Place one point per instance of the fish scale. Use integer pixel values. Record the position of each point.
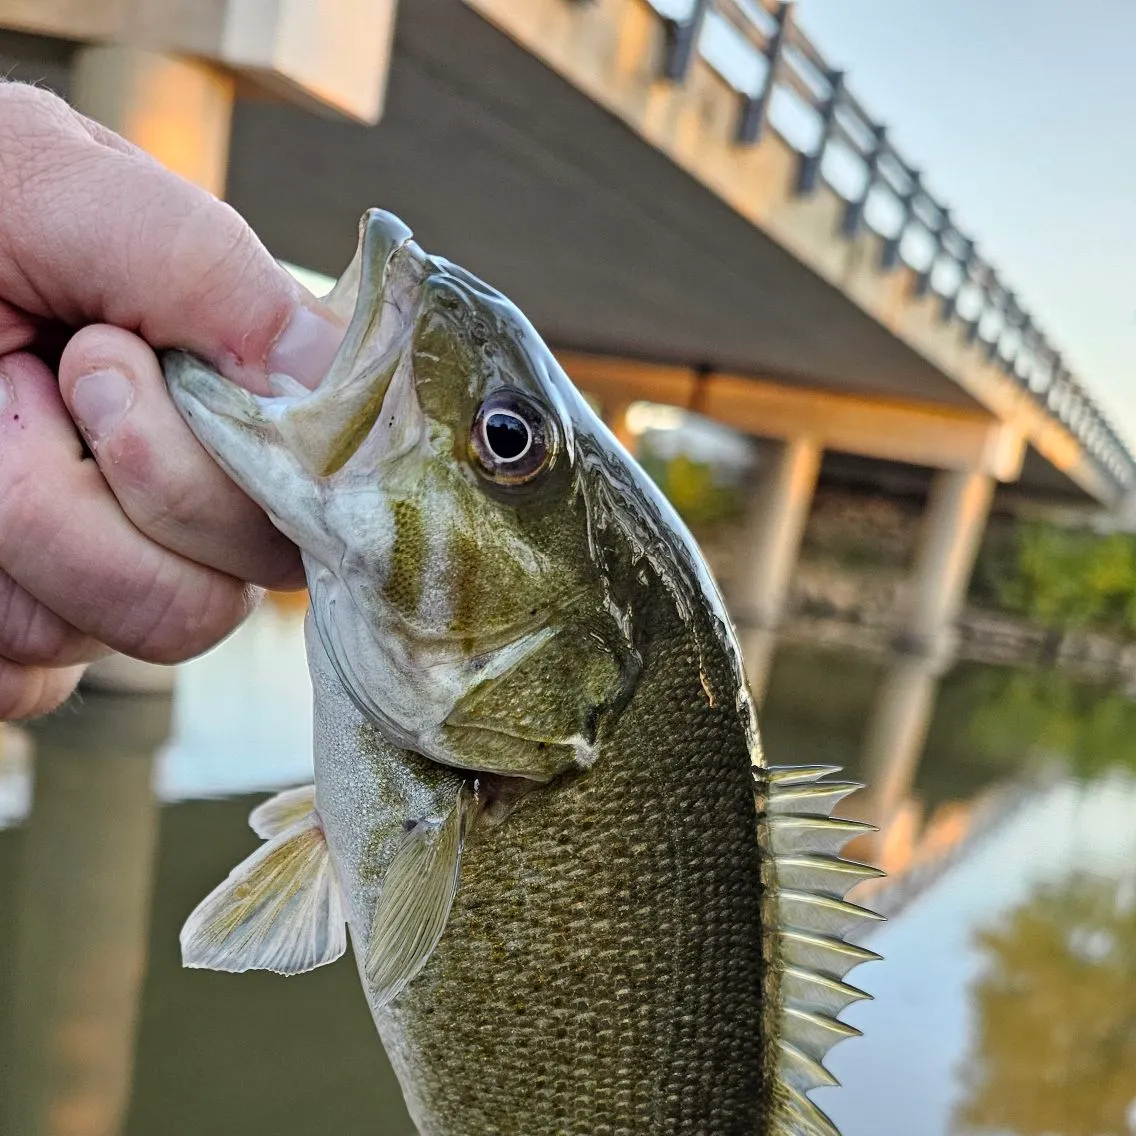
(635, 1014)
(578, 900)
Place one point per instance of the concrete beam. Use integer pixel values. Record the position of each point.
(615, 381)
(330, 55)
(178, 110)
(912, 432)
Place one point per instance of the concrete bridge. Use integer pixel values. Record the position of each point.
(687, 200)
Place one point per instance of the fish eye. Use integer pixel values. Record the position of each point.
(512, 440)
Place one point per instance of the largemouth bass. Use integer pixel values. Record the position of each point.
(578, 899)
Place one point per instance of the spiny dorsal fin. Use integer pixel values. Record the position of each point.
(814, 799)
(783, 776)
(799, 1116)
(809, 990)
(808, 929)
(823, 875)
(810, 834)
(809, 951)
(835, 918)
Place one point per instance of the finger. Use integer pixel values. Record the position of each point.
(163, 479)
(64, 538)
(17, 330)
(33, 635)
(26, 692)
(93, 232)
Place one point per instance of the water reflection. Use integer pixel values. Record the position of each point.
(917, 1069)
(15, 775)
(1055, 1009)
(1011, 898)
(893, 745)
(80, 912)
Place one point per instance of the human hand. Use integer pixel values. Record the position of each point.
(145, 547)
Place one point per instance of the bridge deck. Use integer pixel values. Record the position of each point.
(603, 237)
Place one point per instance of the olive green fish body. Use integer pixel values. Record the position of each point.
(602, 966)
(579, 901)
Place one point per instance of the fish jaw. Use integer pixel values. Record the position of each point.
(233, 425)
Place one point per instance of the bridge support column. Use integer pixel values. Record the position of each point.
(778, 511)
(957, 509)
(615, 416)
(178, 110)
(81, 917)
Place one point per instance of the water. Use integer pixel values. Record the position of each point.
(1006, 1006)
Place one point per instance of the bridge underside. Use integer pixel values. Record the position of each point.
(607, 245)
(645, 282)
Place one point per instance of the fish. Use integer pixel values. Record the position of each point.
(579, 899)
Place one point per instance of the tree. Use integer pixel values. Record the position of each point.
(1055, 1049)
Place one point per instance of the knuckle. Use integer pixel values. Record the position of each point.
(29, 632)
(28, 116)
(28, 103)
(191, 612)
(230, 270)
(26, 692)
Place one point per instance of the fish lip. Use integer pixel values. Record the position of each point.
(326, 427)
(195, 386)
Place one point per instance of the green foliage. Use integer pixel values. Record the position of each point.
(692, 488)
(1064, 579)
(1011, 712)
(1054, 1050)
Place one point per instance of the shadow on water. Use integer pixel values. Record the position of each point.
(1003, 800)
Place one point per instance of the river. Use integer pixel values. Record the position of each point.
(1006, 1004)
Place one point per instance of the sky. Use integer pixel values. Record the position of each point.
(1022, 113)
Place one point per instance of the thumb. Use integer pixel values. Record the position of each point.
(93, 230)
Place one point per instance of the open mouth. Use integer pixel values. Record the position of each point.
(322, 429)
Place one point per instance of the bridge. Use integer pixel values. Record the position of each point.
(688, 201)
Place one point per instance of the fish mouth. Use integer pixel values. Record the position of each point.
(320, 429)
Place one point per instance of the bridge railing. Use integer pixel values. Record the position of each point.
(785, 85)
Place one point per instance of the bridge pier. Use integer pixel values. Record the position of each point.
(615, 416)
(177, 110)
(778, 510)
(957, 509)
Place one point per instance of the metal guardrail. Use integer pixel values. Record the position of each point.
(785, 84)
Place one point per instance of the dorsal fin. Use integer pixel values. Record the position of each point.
(808, 925)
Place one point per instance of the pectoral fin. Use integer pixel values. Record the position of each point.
(418, 891)
(281, 909)
(282, 811)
